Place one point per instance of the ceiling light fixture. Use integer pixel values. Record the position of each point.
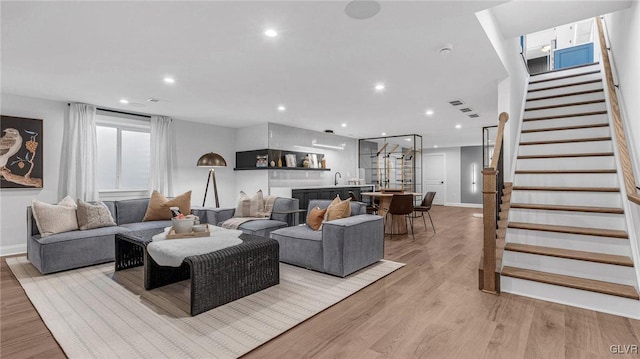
(169, 80)
(362, 9)
(435, 146)
(271, 33)
(344, 125)
(383, 134)
(458, 126)
(429, 113)
(124, 101)
(281, 108)
(545, 48)
(379, 87)
(408, 139)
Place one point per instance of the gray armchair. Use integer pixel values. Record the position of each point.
(342, 247)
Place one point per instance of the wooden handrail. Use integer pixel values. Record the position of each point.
(623, 149)
(489, 200)
(503, 118)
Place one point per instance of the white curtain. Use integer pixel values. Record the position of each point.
(163, 155)
(79, 154)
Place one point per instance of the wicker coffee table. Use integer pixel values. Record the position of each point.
(217, 278)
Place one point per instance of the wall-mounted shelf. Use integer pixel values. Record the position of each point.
(281, 169)
(246, 160)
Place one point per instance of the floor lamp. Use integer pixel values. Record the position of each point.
(211, 160)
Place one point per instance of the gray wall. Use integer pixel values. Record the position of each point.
(471, 174)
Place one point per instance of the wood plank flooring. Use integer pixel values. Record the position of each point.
(430, 308)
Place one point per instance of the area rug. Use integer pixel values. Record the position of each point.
(96, 313)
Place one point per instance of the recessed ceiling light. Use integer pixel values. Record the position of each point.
(407, 139)
(429, 113)
(362, 9)
(458, 126)
(271, 33)
(281, 108)
(383, 134)
(379, 87)
(435, 146)
(124, 101)
(545, 48)
(344, 125)
(169, 80)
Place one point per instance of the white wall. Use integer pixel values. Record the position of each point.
(248, 139)
(452, 173)
(14, 202)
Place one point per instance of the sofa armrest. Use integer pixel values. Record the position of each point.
(217, 215)
(352, 243)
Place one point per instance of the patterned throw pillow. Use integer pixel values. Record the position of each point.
(250, 207)
(158, 208)
(55, 218)
(94, 215)
(315, 217)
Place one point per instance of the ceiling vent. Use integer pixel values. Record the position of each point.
(466, 109)
(474, 115)
(456, 102)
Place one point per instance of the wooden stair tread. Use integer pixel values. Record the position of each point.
(592, 113)
(577, 127)
(566, 85)
(620, 290)
(565, 155)
(566, 189)
(578, 93)
(571, 140)
(564, 105)
(565, 77)
(551, 207)
(570, 254)
(547, 172)
(570, 230)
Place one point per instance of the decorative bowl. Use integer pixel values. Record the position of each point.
(182, 225)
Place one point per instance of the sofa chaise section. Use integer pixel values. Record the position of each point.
(258, 227)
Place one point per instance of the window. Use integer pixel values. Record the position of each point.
(124, 148)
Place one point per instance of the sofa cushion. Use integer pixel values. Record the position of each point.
(283, 204)
(315, 217)
(55, 218)
(93, 215)
(300, 245)
(77, 234)
(356, 207)
(146, 225)
(260, 227)
(159, 205)
(339, 209)
(250, 206)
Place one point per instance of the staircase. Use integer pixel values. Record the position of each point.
(566, 237)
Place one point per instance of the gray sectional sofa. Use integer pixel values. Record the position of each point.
(259, 227)
(341, 247)
(78, 248)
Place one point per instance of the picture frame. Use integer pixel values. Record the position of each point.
(21, 152)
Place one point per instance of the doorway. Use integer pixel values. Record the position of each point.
(434, 176)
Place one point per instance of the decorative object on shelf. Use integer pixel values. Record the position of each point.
(324, 162)
(290, 159)
(20, 152)
(261, 161)
(211, 160)
(314, 161)
(305, 163)
(272, 163)
(279, 162)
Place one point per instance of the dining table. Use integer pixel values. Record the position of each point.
(399, 221)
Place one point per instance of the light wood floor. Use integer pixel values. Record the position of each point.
(430, 308)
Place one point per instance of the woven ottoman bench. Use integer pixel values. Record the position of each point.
(217, 277)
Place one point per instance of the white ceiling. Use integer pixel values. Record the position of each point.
(322, 66)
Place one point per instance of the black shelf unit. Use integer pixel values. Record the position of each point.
(246, 160)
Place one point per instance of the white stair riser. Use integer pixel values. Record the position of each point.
(565, 81)
(567, 110)
(567, 180)
(602, 162)
(566, 218)
(565, 134)
(574, 297)
(568, 121)
(592, 199)
(566, 100)
(564, 90)
(575, 268)
(576, 242)
(568, 72)
(566, 148)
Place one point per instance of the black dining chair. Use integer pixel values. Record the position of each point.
(424, 207)
(402, 205)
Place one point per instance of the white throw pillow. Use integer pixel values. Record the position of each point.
(55, 218)
(250, 207)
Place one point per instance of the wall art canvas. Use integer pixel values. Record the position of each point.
(20, 152)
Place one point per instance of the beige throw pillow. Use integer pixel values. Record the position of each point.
(55, 218)
(250, 207)
(314, 219)
(158, 208)
(93, 215)
(338, 209)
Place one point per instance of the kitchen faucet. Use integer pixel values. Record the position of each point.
(335, 177)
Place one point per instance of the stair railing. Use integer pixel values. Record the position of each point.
(492, 189)
(623, 149)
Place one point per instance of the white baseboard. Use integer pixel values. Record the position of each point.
(468, 205)
(13, 249)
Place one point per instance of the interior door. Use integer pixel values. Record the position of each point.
(434, 176)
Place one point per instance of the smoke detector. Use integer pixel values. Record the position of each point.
(362, 9)
(445, 49)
